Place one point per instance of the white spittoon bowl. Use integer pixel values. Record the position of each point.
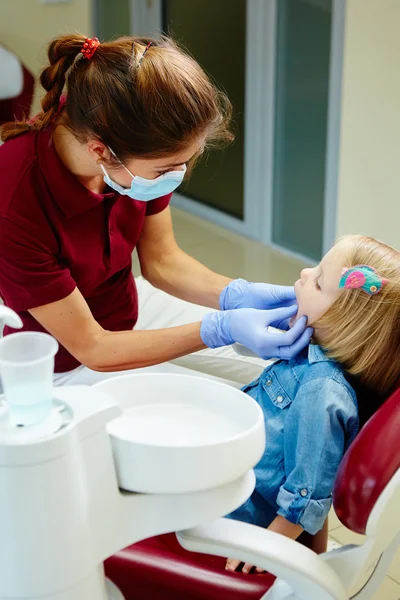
(182, 433)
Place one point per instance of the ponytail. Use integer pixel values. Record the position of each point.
(140, 97)
(62, 53)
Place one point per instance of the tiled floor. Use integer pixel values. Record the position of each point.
(234, 256)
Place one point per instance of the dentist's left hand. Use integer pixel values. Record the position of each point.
(249, 327)
(264, 296)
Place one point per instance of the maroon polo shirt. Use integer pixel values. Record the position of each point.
(56, 235)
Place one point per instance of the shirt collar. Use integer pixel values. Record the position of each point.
(70, 194)
(316, 355)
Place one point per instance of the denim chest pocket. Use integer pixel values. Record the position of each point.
(275, 392)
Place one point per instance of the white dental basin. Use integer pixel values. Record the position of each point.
(182, 433)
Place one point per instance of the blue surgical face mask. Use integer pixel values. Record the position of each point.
(146, 189)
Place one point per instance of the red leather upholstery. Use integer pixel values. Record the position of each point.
(19, 107)
(368, 466)
(159, 569)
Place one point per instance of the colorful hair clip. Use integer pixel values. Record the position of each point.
(89, 47)
(362, 277)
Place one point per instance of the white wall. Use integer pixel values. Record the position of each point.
(369, 172)
(27, 26)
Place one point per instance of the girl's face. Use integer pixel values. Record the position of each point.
(318, 288)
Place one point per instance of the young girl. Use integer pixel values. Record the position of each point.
(352, 300)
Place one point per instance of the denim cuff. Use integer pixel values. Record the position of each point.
(299, 508)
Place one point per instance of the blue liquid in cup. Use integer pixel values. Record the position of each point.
(28, 404)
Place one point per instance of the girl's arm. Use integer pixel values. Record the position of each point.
(318, 542)
(285, 527)
(278, 525)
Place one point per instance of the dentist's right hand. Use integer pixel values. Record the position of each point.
(249, 327)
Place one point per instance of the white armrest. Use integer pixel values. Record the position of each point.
(304, 571)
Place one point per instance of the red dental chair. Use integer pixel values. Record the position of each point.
(366, 500)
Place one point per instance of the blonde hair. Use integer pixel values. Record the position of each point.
(361, 331)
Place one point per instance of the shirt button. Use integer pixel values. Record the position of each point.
(269, 382)
(279, 399)
(304, 492)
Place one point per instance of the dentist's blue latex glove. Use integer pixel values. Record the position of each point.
(264, 296)
(249, 326)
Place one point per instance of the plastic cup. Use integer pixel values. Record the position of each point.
(26, 369)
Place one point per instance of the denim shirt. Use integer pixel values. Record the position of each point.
(311, 417)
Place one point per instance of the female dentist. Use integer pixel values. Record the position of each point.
(90, 179)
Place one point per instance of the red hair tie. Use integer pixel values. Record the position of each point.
(89, 47)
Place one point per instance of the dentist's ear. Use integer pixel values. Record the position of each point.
(97, 150)
(10, 318)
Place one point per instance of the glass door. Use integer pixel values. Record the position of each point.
(229, 38)
(215, 34)
(301, 124)
(113, 19)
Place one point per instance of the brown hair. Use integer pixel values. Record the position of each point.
(156, 107)
(361, 331)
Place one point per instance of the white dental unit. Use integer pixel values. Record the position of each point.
(163, 453)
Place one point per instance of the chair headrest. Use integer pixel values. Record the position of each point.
(368, 466)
